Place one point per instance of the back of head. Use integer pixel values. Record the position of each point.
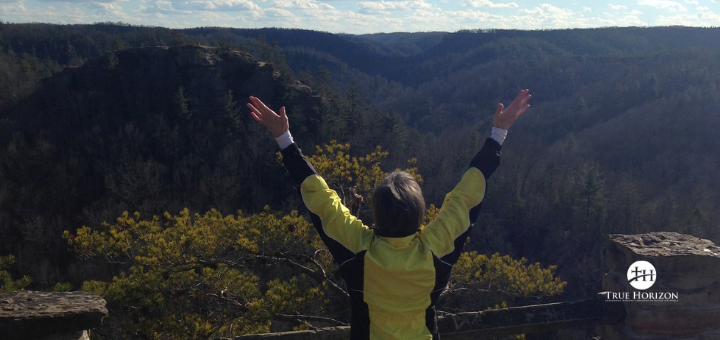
(398, 205)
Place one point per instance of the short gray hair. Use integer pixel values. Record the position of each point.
(398, 205)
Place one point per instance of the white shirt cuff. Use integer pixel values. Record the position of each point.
(284, 140)
(498, 135)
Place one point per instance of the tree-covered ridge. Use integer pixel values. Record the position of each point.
(621, 137)
(136, 130)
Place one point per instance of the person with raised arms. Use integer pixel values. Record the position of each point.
(396, 271)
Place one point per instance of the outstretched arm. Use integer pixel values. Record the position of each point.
(295, 162)
(448, 232)
(344, 234)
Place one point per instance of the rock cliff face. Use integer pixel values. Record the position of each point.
(150, 130)
(39, 315)
(685, 265)
(134, 82)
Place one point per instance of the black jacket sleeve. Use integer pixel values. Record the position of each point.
(297, 165)
(486, 160)
(300, 169)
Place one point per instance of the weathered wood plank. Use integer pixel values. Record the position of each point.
(329, 333)
(530, 319)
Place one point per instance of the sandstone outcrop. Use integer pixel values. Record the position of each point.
(686, 266)
(31, 315)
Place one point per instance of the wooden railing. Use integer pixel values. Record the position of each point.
(491, 323)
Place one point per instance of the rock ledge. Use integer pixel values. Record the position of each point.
(685, 265)
(36, 315)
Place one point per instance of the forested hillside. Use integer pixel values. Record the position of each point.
(95, 120)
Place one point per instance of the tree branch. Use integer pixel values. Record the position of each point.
(312, 273)
(304, 318)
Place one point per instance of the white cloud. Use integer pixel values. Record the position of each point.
(164, 5)
(302, 4)
(278, 13)
(663, 4)
(547, 9)
(12, 8)
(385, 16)
(306, 14)
(355, 22)
(108, 9)
(692, 2)
(696, 20)
(474, 17)
(229, 5)
(710, 18)
(357, 16)
(385, 6)
(549, 16)
(163, 8)
(64, 13)
(490, 4)
(629, 20)
(196, 6)
(83, 1)
(432, 20)
(245, 4)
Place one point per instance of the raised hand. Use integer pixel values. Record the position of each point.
(504, 118)
(277, 124)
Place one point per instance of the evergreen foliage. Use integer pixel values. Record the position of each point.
(8, 284)
(208, 276)
(203, 276)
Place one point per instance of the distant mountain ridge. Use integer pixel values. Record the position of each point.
(401, 57)
(372, 53)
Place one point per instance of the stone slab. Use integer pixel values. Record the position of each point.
(35, 315)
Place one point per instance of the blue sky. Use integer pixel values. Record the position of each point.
(369, 16)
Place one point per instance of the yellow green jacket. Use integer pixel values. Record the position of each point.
(394, 282)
